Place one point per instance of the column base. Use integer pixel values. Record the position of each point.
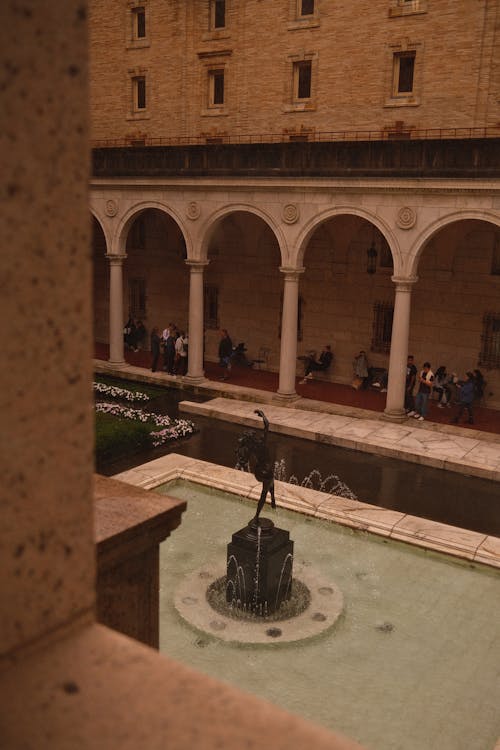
(286, 398)
(194, 379)
(394, 415)
(118, 363)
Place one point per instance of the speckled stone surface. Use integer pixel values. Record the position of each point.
(47, 553)
(99, 689)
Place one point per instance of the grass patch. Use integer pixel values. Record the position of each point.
(116, 437)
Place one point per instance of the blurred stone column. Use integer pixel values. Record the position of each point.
(195, 372)
(394, 409)
(289, 321)
(47, 551)
(116, 322)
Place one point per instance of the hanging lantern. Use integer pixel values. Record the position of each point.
(371, 265)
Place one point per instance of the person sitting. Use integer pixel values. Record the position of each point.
(317, 365)
(360, 368)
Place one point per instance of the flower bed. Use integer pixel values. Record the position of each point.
(173, 429)
(113, 391)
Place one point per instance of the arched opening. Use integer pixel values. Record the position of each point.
(455, 319)
(347, 293)
(242, 287)
(155, 277)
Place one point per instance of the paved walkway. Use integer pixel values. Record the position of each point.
(409, 441)
(259, 385)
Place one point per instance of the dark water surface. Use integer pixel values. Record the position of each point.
(444, 496)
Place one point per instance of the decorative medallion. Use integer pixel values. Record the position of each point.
(290, 213)
(406, 218)
(193, 210)
(111, 208)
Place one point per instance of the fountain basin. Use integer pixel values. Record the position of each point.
(324, 608)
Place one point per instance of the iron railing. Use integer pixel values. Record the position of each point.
(385, 134)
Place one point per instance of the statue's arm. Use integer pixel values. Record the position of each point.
(264, 418)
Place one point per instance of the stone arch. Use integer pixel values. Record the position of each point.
(436, 226)
(315, 222)
(211, 223)
(126, 221)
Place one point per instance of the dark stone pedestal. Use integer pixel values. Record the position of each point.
(259, 567)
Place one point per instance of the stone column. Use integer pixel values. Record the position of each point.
(116, 356)
(195, 372)
(394, 409)
(288, 352)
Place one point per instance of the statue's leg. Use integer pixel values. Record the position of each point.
(262, 500)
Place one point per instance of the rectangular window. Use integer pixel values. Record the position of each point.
(139, 23)
(211, 307)
(218, 14)
(383, 313)
(137, 297)
(216, 88)
(404, 69)
(490, 341)
(139, 92)
(306, 7)
(302, 79)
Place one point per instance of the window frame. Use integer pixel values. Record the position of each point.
(397, 92)
(215, 6)
(489, 356)
(216, 73)
(133, 40)
(298, 67)
(381, 327)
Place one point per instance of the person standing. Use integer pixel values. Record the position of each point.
(225, 352)
(181, 354)
(155, 349)
(360, 369)
(411, 377)
(169, 352)
(424, 391)
(466, 396)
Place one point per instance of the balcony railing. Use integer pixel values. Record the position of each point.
(453, 157)
(404, 132)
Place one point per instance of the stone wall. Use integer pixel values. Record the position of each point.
(351, 47)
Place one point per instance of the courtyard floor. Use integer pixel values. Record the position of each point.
(316, 391)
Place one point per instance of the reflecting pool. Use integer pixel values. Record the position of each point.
(413, 661)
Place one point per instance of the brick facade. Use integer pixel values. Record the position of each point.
(350, 46)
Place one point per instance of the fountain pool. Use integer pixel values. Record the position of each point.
(411, 663)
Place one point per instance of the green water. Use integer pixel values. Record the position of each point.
(413, 664)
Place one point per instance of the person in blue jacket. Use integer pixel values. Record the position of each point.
(466, 396)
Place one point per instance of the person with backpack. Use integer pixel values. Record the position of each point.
(466, 395)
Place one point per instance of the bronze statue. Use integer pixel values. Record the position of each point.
(253, 452)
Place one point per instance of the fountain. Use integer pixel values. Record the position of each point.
(260, 556)
(259, 587)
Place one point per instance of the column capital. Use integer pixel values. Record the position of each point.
(196, 265)
(116, 259)
(291, 274)
(404, 284)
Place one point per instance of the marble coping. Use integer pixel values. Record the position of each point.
(456, 452)
(460, 543)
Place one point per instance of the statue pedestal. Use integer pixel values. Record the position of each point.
(259, 567)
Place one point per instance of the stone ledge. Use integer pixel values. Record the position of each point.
(100, 689)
